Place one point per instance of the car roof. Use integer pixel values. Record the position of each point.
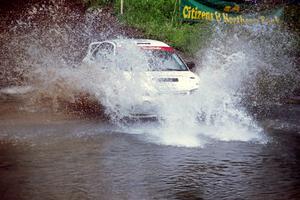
(140, 42)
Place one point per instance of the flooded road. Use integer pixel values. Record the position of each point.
(45, 156)
(231, 139)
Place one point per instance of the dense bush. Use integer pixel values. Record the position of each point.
(159, 19)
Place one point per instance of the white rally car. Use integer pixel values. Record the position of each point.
(167, 71)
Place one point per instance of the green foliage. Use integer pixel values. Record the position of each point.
(159, 19)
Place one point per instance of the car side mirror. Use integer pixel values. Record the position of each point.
(191, 65)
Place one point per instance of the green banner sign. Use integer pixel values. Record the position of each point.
(226, 12)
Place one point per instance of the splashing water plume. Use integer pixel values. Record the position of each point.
(231, 66)
(230, 81)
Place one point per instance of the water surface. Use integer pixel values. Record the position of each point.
(54, 157)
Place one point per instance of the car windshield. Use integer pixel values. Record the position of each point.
(160, 60)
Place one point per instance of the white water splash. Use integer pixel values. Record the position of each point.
(213, 112)
(229, 68)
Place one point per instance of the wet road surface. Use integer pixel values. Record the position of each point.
(46, 156)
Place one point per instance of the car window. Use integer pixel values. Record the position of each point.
(103, 52)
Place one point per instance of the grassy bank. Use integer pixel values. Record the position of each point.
(159, 19)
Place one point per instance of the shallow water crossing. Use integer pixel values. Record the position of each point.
(53, 157)
(231, 139)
